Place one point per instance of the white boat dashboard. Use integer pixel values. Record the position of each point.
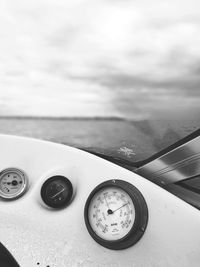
(61, 206)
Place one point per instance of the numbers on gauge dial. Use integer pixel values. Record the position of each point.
(111, 213)
(11, 183)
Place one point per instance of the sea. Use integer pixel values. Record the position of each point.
(120, 138)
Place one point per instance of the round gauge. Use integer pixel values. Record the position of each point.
(57, 192)
(116, 214)
(13, 183)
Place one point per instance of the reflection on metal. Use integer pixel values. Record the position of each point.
(180, 163)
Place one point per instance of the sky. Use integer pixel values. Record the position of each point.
(137, 59)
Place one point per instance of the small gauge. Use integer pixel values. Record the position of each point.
(57, 192)
(116, 214)
(13, 183)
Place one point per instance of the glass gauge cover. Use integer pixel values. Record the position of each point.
(13, 183)
(57, 191)
(116, 214)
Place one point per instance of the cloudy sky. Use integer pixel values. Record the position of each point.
(129, 58)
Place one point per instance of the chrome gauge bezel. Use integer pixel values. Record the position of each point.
(141, 215)
(23, 187)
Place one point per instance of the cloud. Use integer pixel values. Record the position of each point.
(59, 46)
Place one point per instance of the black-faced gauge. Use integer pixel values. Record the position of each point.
(13, 183)
(116, 214)
(57, 191)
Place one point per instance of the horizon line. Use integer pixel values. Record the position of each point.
(21, 117)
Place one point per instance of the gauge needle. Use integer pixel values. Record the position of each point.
(59, 193)
(120, 207)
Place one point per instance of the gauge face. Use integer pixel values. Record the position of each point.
(13, 183)
(111, 213)
(116, 214)
(57, 192)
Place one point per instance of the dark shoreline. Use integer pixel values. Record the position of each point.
(63, 118)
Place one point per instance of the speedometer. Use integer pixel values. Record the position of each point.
(116, 214)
